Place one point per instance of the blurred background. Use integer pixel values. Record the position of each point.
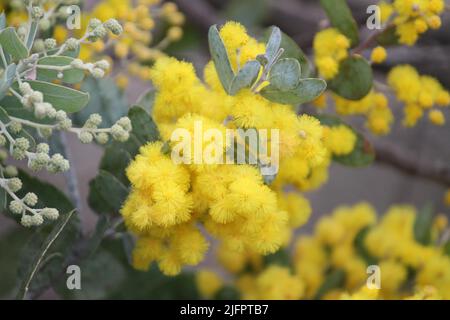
(381, 184)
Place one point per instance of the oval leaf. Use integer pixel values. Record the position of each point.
(306, 91)
(341, 18)
(246, 77)
(292, 50)
(69, 76)
(11, 44)
(62, 98)
(274, 43)
(355, 79)
(220, 57)
(285, 74)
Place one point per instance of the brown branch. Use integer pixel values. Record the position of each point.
(411, 164)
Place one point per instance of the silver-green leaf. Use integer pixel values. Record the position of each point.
(62, 98)
(306, 91)
(274, 43)
(285, 74)
(11, 44)
(70, 76)
(220, 57)
(246, 76)
(7, 79)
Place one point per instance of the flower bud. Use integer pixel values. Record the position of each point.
(102, 138)
(50, 213)
(72, 44)
(27, 221)
(11, 171)
(30, 199)
(114, 26)
(50, 43)
(15, 127)
(14, 184)
(85, 137)
(43, 148)
(16, 207)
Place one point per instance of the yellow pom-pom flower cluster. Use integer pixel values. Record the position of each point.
(420, 94)
(230, 202)
(412, 18)
(330, 48)
(374, 106)
(347, 242)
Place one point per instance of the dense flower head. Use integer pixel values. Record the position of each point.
(412, 18)
(374, 106)
(170, 202)
(343, 245)
(420, 94)
(330, 48)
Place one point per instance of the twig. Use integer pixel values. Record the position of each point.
(409, 164)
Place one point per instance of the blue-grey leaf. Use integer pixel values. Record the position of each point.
(246, 76)
(220, 57)
(274, 43)
(306, 91)
(285, 74)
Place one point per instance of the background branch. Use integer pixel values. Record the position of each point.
(412, 164)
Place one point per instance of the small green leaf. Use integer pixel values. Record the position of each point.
(62, 98)
(389, 37)
(292, 50)
(70, 76)
(32, 34)
(423, 224)
(246, 77)
(355, 79)
(115, 161)
(144, 128)
(220, 57)
(11, 44)
(281, 258)
(285, 74)
(334, 280)
(273, 44)
(306, 91)
(110, 193)
(341, 18)
(7, 79)
(362, 155)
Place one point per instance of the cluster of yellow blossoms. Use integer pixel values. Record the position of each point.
(419, 93)
(374, 107)
(330, 48)
(412, 17)
(348, 241)
(231, 202)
